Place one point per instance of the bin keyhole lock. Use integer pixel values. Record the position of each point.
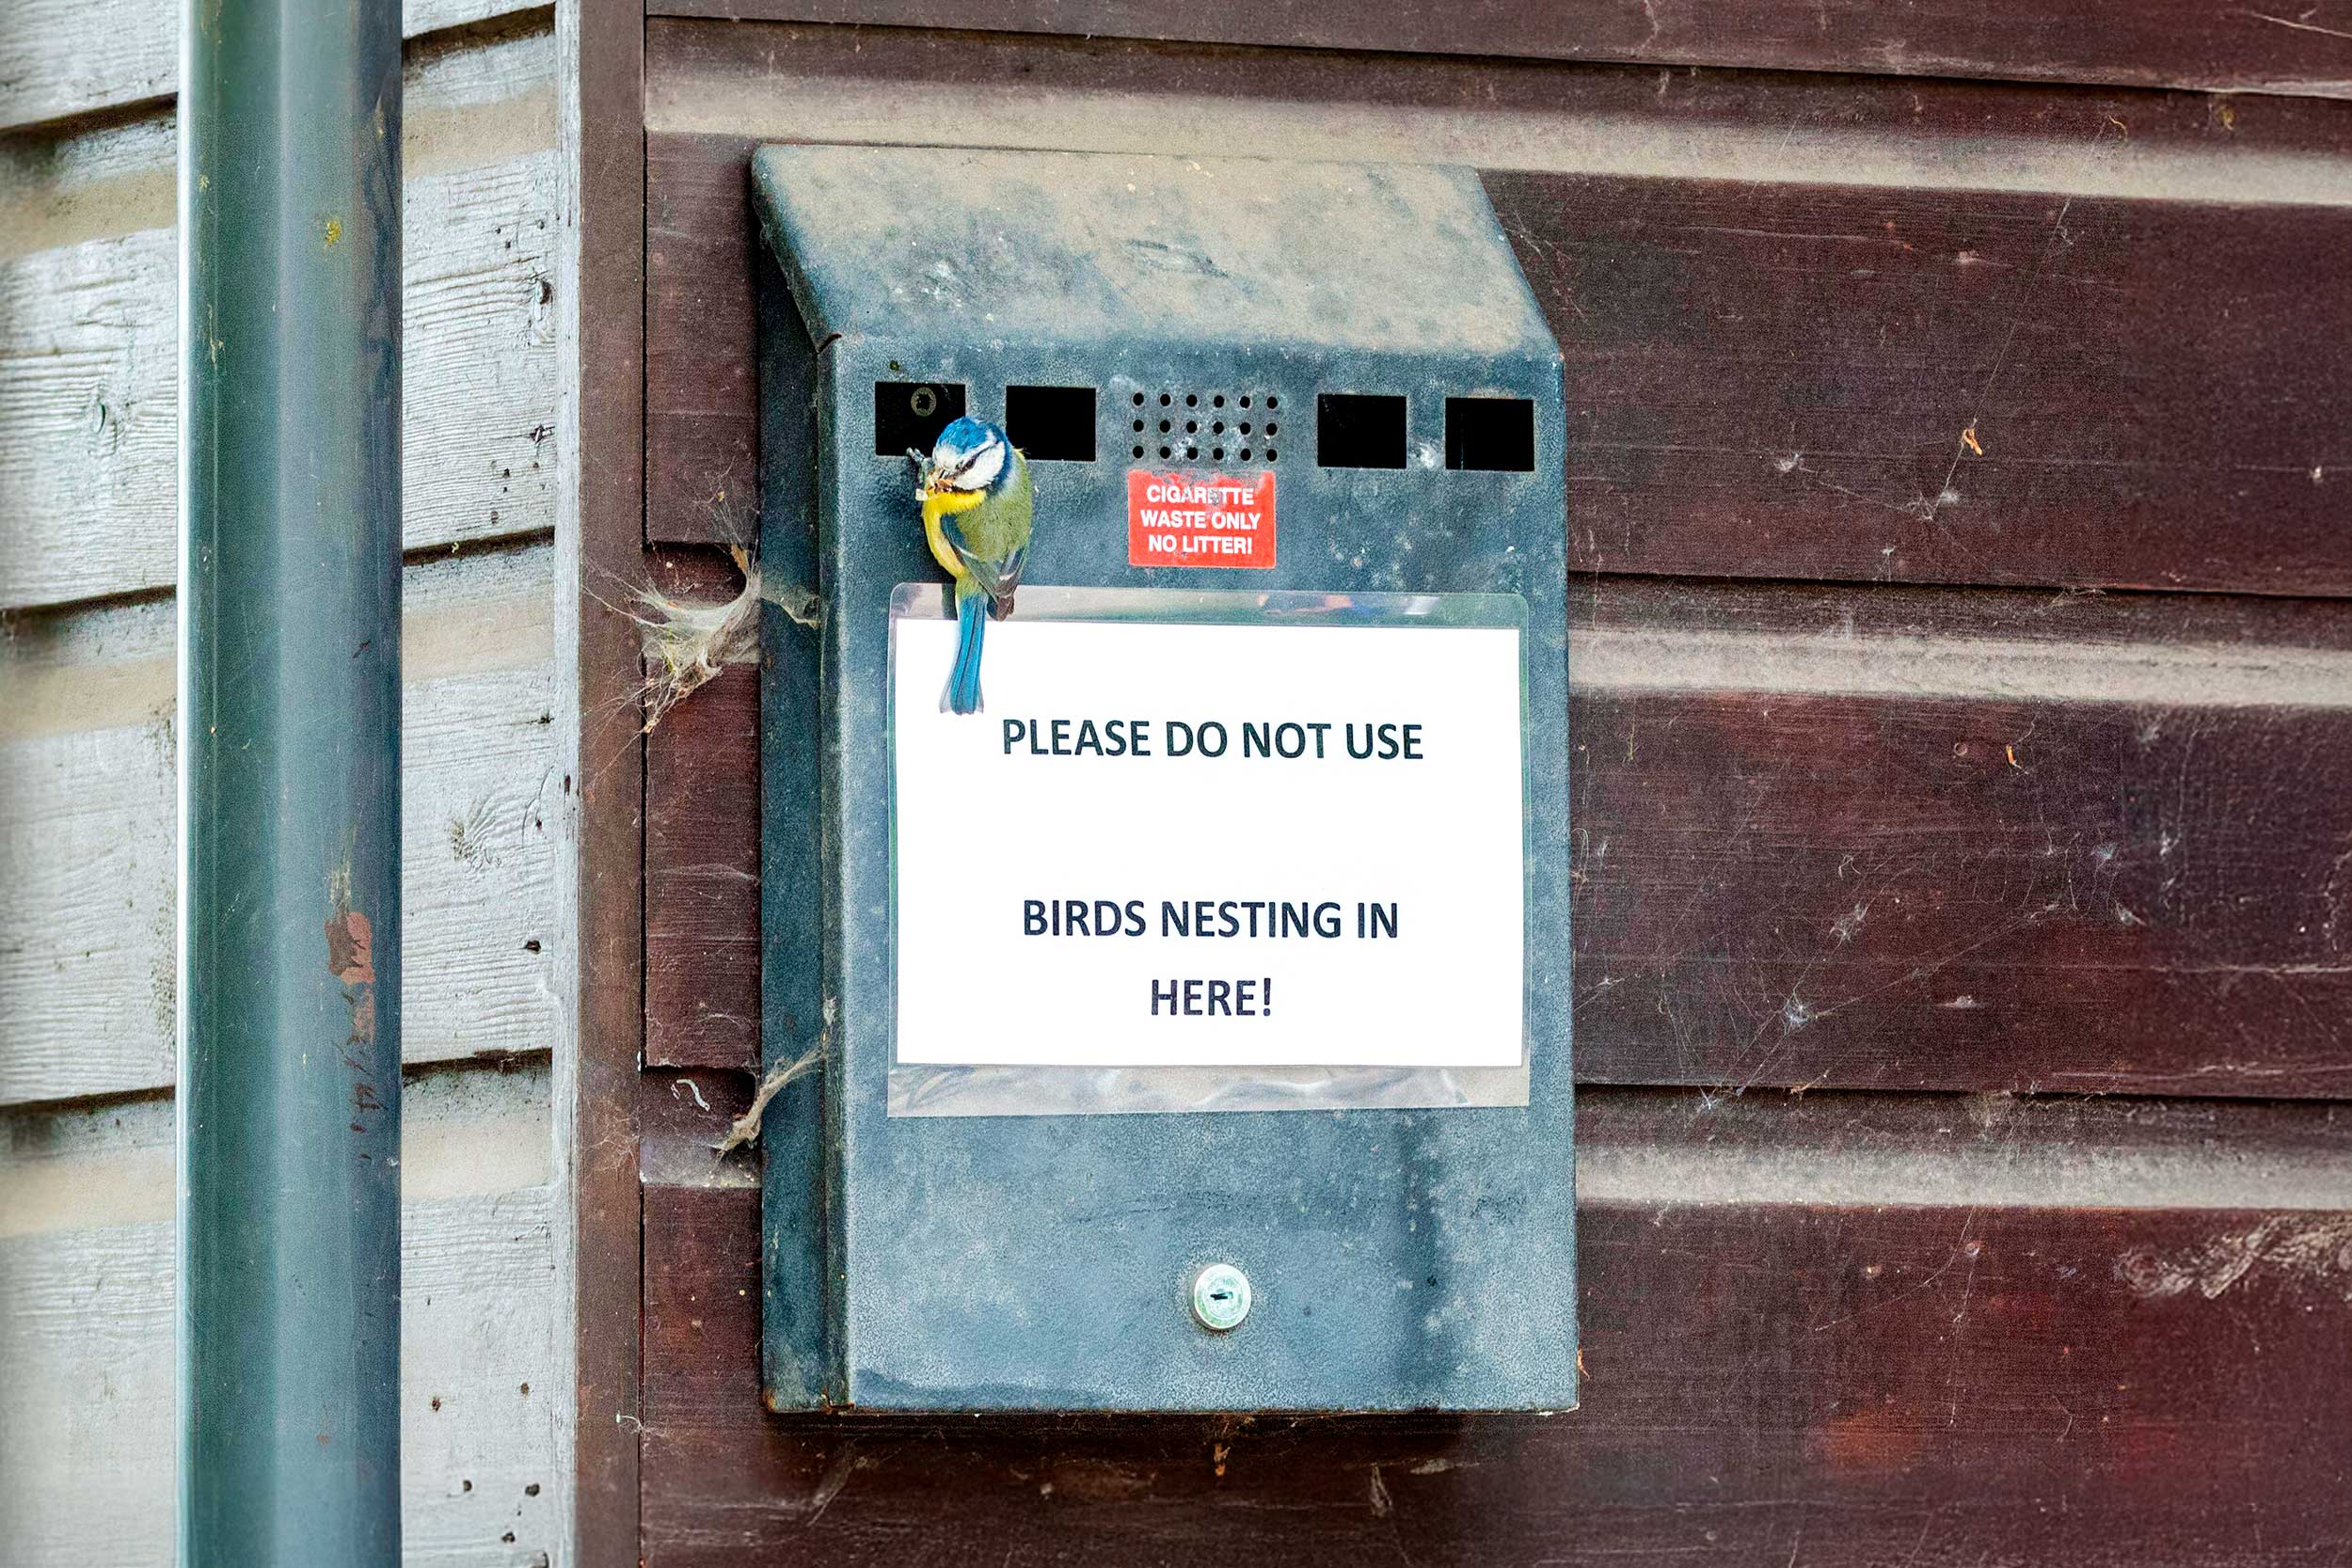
(1220, 1297)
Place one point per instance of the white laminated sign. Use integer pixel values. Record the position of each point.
(1213, 830)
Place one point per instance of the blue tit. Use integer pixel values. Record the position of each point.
(974, 490)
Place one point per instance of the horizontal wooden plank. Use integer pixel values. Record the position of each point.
(1658, 1148)
(783, 83)
(87, 1327)
(88, 333)
(87, 832)
(58, 59)
(1825, 1383)
(1789, 873)
(1887, 838)
(465, 1129)
(1862, 385)
(1655, 1147)
(2184, 43)
(1780, 348)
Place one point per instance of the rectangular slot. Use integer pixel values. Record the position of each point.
(909, 415)
(1357, 431)
(1492, 434)
(1055, 423)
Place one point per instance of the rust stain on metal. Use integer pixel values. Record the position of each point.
(351, 958)
(350, 948)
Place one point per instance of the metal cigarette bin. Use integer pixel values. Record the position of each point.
(1354, 347)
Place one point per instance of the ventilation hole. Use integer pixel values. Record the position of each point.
(1218, 401)
(1217, 454)
(1055, 424)
(1217, 428)
(1164, 427)
(1492, 434)
(1354, 431)
(1245, 403)
(1244, 454)
(1192, 399)
(1138, 451)
(1165, 399)
(1270, 454)
(1192, 451)
(1273, 429)
(1245, 428)
(1273, 401)
(909, 415)
(1138, 400)
(1192, 427)
(1163, 451)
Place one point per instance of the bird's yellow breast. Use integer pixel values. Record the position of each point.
(947, 503)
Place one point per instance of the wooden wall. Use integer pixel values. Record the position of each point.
(88, 556)
(1961, 525)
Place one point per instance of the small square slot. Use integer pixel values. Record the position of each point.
(1355, 431)
(909, 415)
(1056, 423)
(1492, 434)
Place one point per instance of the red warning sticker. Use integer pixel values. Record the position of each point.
(1200, 519)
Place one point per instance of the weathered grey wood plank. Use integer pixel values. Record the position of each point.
(87, 1328)
(61, 57)
(89, 335)
(88, 835)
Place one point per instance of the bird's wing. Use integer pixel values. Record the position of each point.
(998, 574)
(1008, 579)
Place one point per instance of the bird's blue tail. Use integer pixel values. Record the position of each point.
(964, 678)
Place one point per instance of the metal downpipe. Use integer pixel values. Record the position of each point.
(288, 950)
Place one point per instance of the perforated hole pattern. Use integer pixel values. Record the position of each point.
(1179, 426)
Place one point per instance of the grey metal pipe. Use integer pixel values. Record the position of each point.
(289, 1330)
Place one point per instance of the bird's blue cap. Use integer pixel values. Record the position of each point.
(967, 434)
(971, 454)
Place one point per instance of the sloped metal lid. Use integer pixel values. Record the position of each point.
(987, 247)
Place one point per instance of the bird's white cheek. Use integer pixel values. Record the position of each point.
(984, 470)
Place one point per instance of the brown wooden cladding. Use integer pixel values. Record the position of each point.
(1764, 1384)
(1802, 381)
(2184, 43)
(1863, 838)
(714, 76)
(1917, 387)
(702, 384)
(602, 47)
(702, 853)
(1921, 828)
